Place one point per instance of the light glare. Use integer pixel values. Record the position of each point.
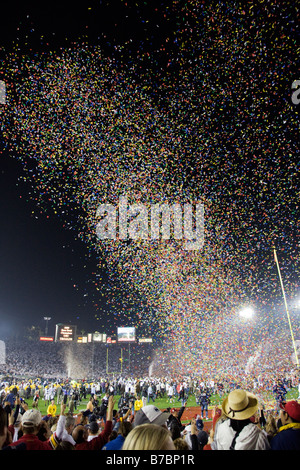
(247, 312)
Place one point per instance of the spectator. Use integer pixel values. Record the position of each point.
(3, 427)
(196, 438)
(68, 424)
(138, 404)
(175, 416)
(51, 410)
(288, 437)
(58, 393)
(202, 438)
(180, 444)
(204, 401)
(103, 408)
(270, 427)
(151, 395)
(174, 429)
(239, 432)
(10, 398)
(150, 414)
(89, 405)
(171, 393)
(65, 445)
(44, 431)
(149, 437)
(31, 423)
(93, 430)
(116, 444)
(80, 434)
(199, 423)
(144, 395)
(15, 419)
(218, 417)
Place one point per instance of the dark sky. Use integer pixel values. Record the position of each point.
(41, 263)
(44, 270)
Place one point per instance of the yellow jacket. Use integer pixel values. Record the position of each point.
(51, 410)
(138, 404)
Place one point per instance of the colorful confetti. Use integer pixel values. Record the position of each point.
(203, 115)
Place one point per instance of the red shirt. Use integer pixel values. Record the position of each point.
(98, 442)
(32, 442)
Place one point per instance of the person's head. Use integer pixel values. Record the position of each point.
(181, 444)
(93, 428)
(202, 438)
(65, 445)
(148, 437)
(290, 412)
(31, 421)
(125, 428)
(44, 431)
(113, 435)
(174, 412)
(80, 434)
(70, 423)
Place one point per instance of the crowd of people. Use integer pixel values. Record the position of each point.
(118, 411)
(55, 360)
(238, 424)
(34, 358)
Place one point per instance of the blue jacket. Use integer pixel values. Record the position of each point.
(115, 444)
(287, 439)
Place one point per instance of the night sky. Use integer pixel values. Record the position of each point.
(45, 270)
(246, 164)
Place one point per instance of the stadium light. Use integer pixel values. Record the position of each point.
(247, 312)
(47, 319)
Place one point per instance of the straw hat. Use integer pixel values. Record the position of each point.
(240, 404)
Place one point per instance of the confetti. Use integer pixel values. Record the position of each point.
(205, 115)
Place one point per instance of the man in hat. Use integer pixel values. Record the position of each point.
(31, 422)
(239, 432)
(288, 437)
(93, 430)
(175, 418)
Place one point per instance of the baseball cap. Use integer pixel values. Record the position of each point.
(292, 408)
(31, 418)
(150, 414)
(202, 437)
(93, 426)
(173, 410)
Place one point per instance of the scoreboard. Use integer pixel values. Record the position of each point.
(65, 332)
(126, 334)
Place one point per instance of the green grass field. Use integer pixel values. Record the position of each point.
(161, 403)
